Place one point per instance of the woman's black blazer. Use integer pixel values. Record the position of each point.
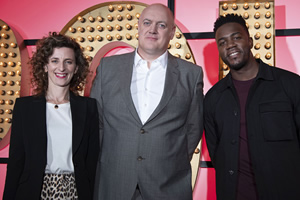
(28, 147)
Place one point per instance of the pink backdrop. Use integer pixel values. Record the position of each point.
(35, 18)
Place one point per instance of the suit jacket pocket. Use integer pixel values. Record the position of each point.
(276, 120)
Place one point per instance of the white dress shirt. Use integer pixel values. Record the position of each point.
(59, 139)
(147, 85)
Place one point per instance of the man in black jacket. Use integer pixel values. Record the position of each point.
(252, 121)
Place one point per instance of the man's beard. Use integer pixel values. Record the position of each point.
(236, 65)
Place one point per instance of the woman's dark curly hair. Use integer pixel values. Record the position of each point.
(40, 58)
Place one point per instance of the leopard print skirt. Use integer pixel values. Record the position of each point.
(59, 187)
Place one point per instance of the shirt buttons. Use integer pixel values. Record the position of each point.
(140, 158)
(231, 172)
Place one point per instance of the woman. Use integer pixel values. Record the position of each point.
(54, 142)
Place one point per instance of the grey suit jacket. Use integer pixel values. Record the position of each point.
(155, 155)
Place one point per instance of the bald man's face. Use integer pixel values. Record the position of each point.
(156, 29)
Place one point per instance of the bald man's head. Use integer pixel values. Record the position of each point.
(156, 29)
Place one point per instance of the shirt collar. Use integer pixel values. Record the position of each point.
(163, 59)
(264, 72)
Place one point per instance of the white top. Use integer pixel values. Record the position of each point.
(147, 85)
(59, 139)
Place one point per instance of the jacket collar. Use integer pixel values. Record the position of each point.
(78, 111)
(125, 82)
(39, 131)
(172, 75)
(264, 73)
(125, 77)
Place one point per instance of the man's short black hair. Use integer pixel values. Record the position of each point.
(229, 18)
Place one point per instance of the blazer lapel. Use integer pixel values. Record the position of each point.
(39, 130)
(125, 82)
(170, 85)
(78, 112)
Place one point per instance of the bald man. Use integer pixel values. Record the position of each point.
(150, 106)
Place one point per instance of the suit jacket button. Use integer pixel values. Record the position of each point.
(235, 113)
(142, 131)
(140, 158)
(233, 141)
(231, 172)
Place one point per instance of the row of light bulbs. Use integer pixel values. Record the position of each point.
(10, 92)
(258, 35)
(7, 102)
(187, 56)
(257, 15)
(268, 56)
(8, 111)
(101, 28)
(9, 63)
(9, 83)
(111, 8)
(246, 6)
(109, 18)
(10, 73)
(258, 45)
(108, 37)
(7, 120)
(10, 54)
(257, 25)
(5, 45)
